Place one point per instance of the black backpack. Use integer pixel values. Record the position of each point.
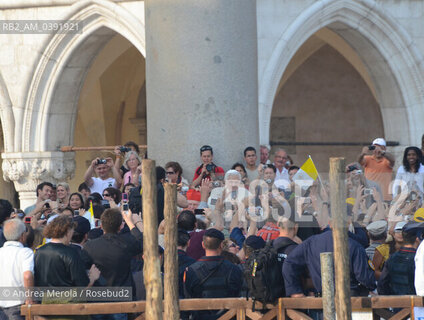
(264, 276)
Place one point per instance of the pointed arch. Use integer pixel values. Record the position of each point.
(387, 51)
(51, 106)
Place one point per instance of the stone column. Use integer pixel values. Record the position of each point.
(201, 79)
(28, 169)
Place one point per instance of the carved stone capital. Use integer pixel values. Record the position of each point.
(28, 169)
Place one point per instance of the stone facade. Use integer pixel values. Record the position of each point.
(41, 76)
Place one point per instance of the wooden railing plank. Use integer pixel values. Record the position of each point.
(403, 314)
(228, 315)
(297, 315)
(253, 315)
(270, 314)
(383, 313)
(376, 303)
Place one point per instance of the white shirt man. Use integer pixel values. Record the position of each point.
(16, 266)
(103, 180)
(282, 179)
(419, 270)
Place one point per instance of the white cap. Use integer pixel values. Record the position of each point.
(399, 225)
(380, 142)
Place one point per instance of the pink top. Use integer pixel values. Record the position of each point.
(128, 178)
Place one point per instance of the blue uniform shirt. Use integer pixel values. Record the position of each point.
(308, 254)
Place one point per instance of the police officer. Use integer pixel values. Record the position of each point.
(212, 276)
(397, 277)
(307, 254)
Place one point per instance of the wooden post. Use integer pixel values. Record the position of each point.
(327, 283)
(340, 238)
(172, 311)
(151, 269)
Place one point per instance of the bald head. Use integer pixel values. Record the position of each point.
(13, 229)
(280, 158)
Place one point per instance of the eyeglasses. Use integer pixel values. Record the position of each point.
(170, 172)
(106, 195)
(233, 245)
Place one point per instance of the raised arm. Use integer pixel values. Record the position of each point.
(88, 176)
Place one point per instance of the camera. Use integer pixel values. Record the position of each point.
(125, 197)
(76, 212)
(124, 149)
(27, 219)
(101, 161)
(371, 148)
(125, 207)
(216, 184)
(210, 167)
(264, 166)
(105, 204)
(368, 191)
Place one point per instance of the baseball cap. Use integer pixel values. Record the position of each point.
(419, 215)
(380, 142)
(214, 233)
(399, 226)
(255, 242)
(83, 225)
(413, 227)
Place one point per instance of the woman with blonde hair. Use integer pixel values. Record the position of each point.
(132, 162)
(62, 194)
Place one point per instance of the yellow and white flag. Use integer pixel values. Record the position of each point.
(307, 173)
(89, 215)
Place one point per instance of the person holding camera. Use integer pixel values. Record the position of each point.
(207, 170)
(44, 192)
(121, 152)
(102, 167)
(378, 165)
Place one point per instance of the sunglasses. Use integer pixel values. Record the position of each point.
(233, 245)
(170, 172)
(106, 195)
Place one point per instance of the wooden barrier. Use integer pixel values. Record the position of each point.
(239, 308)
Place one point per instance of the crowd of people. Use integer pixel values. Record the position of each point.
(256, 230)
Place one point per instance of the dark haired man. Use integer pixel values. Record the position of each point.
(84, 190)
(184, 260)
(207, 170)
(44, 193)
(397, 277)
(113, 251)
(6, 210)
(212, 276)
(187, 221)
(250, 158)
